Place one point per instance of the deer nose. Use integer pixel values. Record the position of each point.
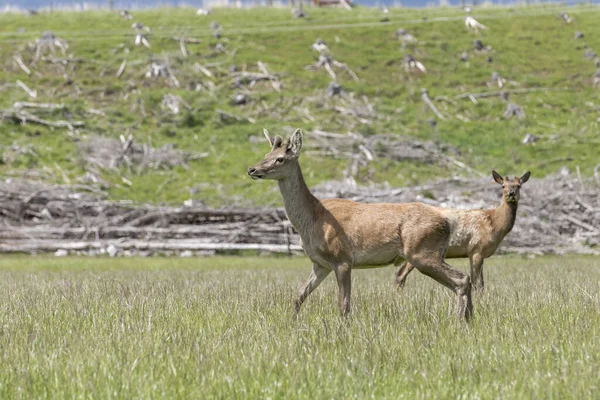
(251, 170)
(511, 192)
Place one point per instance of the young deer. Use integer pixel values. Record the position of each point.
(478, 233)
(339, 235)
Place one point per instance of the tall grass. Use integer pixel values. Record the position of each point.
(223, 328)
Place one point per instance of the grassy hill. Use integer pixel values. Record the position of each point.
(530, 47)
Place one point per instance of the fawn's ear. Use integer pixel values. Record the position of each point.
(525, 177)
(295, 143)
(266, 132)
(497, 177)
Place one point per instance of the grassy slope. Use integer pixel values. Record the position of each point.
(222, 328)
(531, 46)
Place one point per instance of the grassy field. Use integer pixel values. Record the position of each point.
(222, 328)
(531, 47)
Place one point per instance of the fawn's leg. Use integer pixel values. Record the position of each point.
(477, 271)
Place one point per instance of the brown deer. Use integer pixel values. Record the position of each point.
(339, 235)
(478, 233)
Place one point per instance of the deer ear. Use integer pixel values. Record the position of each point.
(295, 143)
(525, 177)
(266, 132)
(497, 177)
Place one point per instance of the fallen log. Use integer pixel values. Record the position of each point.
(173, 245)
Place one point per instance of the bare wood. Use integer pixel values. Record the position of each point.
(121, 68)
(204, 70)
(64, 61)
(27, 104)
(581, 223)
(96, 112)
(172, 75)
(31, 93)
(187, 39)
(254, 76)
(275, 83)
(25, 117)
(21, 64)
(513, 91)
(178, 245)
(226, 115)
(429, 103)
(347, 68)
(182, 47)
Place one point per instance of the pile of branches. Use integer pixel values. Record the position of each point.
(361, 150)
(37, 217)
(111, 154)
(556, 215)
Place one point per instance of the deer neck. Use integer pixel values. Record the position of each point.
(300, 204)
(504, 216)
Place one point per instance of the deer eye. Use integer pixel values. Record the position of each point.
(279, 160)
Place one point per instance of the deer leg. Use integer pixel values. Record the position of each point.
(402, 272)
(477, 271)
(343, 275)
(316, 277)
(453, 279)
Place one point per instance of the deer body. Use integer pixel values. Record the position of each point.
(339, 235)
(479, 231)
(476, 234)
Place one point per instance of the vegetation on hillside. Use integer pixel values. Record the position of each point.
(530, 47)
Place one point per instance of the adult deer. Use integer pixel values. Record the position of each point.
(478, 233)
(339, 235)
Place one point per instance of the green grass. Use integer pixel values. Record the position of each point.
(530, 46)
(222, 328)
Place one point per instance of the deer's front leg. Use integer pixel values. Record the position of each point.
(316, 277)
(477, 271)
(343, 274)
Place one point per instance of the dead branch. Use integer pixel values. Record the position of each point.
(121, 68)
(21, 64)
(275, 83)
(513, 91)
(31, 93)
(77, 218)
(49, 106)
(429, 103)
(25, 117)
(182, 47)
(327, 61)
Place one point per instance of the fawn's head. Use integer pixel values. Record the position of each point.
(281, 160)
(511, 187)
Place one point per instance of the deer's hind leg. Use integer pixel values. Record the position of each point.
(459, 283)
(402, 272)
(317, 276)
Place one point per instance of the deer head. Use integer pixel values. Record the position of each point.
(281, 160)
(511, 188)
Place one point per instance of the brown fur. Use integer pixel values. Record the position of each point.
(339, 235)
(478, 233)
